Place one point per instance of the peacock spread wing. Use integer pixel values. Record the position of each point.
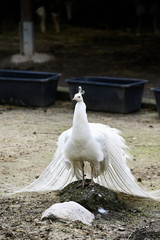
(56, 175)
(118, 176)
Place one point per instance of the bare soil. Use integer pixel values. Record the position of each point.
(28, 141)
(29, 135)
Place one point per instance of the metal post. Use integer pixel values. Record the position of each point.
(26, 29)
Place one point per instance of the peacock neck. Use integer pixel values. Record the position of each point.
(80, 121)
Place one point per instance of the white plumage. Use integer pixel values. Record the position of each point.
(92, 150)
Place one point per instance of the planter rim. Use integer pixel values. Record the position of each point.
(157, 89)
(47, 76)
(87, 80)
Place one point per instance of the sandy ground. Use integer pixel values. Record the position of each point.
(28, 141)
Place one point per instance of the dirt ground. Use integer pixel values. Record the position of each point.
(28, 141)
(28, 135)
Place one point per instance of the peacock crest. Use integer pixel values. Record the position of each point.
(80, 90)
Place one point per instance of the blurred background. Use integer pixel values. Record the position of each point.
(117, 38)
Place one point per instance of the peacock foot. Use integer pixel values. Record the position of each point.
(92, 183)
(87, 182)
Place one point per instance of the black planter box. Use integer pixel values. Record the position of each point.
(28, 88)
(157, 97)
(120, 95)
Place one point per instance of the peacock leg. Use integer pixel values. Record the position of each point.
(92, 175)
(83, 175)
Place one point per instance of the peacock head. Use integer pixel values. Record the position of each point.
(78, 96)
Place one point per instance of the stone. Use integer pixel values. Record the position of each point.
(71, 211)
(35, 58)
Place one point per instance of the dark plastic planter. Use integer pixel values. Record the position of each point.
(121, 95)
(28, 88)
(157, 97)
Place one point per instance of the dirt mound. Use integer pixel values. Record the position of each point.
(92, 197)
